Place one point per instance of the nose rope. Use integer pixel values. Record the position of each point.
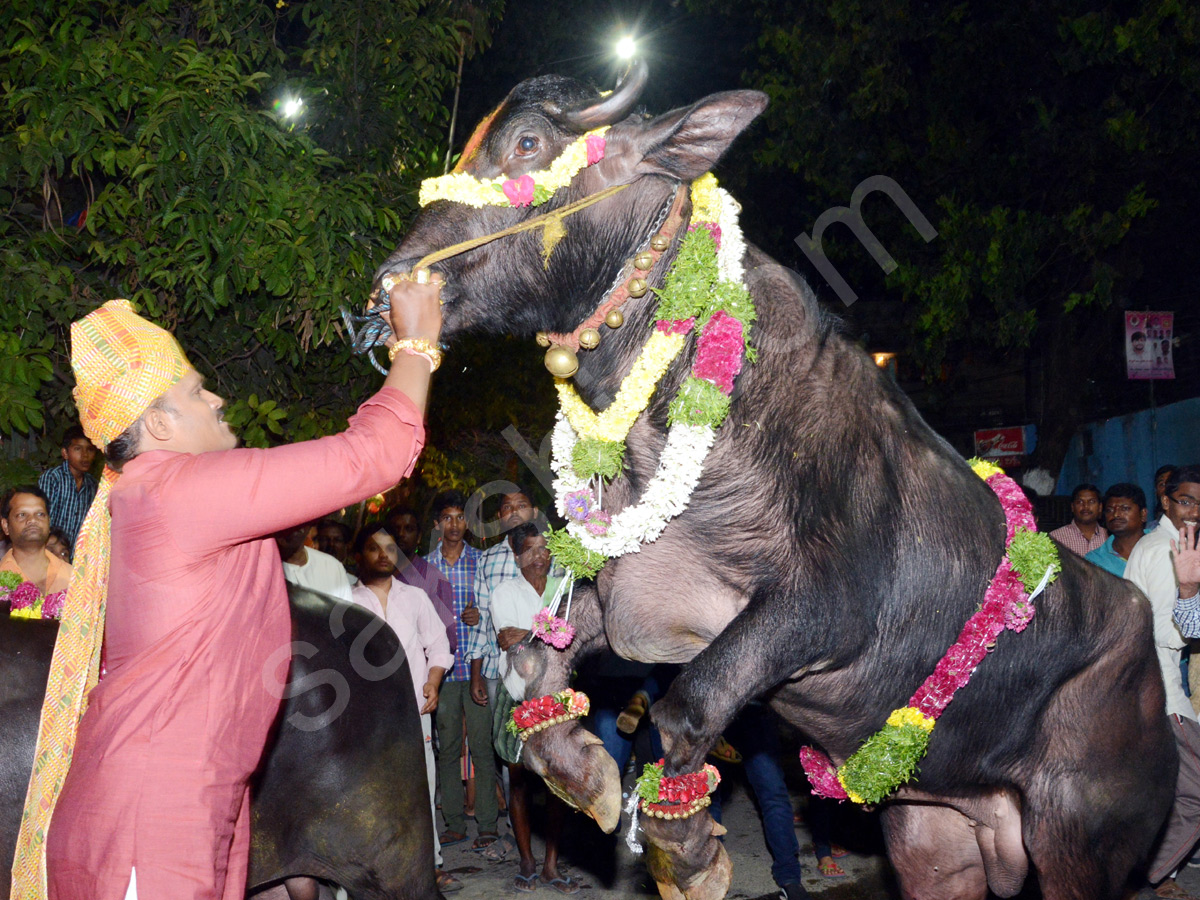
(371, 330)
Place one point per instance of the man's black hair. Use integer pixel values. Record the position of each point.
(1126, 491)
(1137, 335)
(364, 534)
(74, 433)
(520, 534)
(524, 490)
(445, 500)
(6, 504)
(346, 530)
(1080, 488)
(1183, 475)
(403, 510)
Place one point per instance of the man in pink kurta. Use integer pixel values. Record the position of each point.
(155, 803)
(197, 605)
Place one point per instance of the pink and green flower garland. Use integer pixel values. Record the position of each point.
(25, 601)
(889, 757)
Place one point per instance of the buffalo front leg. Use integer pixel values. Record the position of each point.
(754, 653)
(570, 758)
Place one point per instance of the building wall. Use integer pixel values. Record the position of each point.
(1131, 447)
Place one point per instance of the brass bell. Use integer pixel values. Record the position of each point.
(561, 361)
(643, 262)
(543, 339)
(637, 287)
(615, 318)
(660, 242)
(589, 339)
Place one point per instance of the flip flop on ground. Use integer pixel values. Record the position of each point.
(447, 883)
(485, 840)
(525, 883)
(830, 869)
(450, 838)
(564, 885)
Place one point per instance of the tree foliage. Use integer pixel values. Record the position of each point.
(142, 156)
(1051, 144)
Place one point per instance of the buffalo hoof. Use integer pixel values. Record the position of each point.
(686, 859)
(576, 767)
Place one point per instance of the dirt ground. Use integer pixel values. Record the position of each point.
(603, 863)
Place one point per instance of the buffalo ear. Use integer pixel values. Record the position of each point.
(685, 143)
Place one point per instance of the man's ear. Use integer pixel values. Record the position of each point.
(4, 525)
(63, 452)
(158, 425)
(685, 143)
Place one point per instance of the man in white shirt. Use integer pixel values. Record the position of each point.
(308, 567)
(422, 635)
(1151, 569)
(514, 603)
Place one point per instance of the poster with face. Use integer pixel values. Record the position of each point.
(1148, 352)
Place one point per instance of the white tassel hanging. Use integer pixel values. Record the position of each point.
(631, 810)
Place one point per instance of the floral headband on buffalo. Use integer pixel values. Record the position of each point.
(533, 189)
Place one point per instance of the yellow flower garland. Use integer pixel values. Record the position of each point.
(706, 202)
(636, 390)
(462, 187)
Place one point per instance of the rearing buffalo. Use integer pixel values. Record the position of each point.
(832, 549)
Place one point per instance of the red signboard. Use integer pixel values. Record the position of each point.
(1003, 446)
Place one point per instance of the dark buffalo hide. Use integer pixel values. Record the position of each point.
(829, 556)
(341, 794)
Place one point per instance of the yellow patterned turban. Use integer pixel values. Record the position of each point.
(122, 364)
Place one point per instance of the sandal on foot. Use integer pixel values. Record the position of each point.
(485, 840)
(564, 885)
(499, 849)
(450, 838)
(837, 852)
(525, 883)
(1171, 890)
(631, 715)
(447, 883)
(831, 869)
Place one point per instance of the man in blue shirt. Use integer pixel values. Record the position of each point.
(458, 561)
(70, 486)
(1125, 518)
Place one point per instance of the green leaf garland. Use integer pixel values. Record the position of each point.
(887, 759)
(568, 551)
(593, 456)
(699, 402)
(1031, 553)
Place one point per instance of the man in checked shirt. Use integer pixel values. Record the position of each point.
(458, 562)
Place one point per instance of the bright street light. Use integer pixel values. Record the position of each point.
(291, 108)
(626, 47)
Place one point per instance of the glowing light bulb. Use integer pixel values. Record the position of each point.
(626, 47)
(291, 108)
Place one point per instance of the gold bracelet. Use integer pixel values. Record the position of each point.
(417, 347)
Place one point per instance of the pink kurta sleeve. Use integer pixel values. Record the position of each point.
(229, 497)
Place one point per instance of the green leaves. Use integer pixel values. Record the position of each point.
(140, 156)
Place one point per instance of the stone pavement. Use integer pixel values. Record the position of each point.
(603, 864)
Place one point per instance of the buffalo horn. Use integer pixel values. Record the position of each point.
(616, 106)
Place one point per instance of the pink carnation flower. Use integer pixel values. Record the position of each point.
(519, 191)
(554, 631)
(719, 352)
(52, 606)
(675, 326)
(24, 595)
(713, 228)
(821, 774)
(598, 522)
(595, 149)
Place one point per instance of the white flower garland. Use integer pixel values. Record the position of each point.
(681, 462)
(667, 495)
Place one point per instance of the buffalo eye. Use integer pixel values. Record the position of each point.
(527, 145)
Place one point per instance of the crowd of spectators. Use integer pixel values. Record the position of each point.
(459, 607)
